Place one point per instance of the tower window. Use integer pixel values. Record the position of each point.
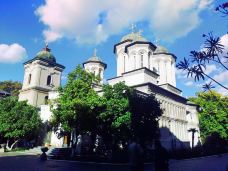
(46, 100)
(49, 80)
(29, 78)
(100, 72)
(149, 60)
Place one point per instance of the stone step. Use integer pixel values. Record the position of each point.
(59, 153)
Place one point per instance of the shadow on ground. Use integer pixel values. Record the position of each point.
(33, 163)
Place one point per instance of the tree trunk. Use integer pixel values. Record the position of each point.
(12, 145)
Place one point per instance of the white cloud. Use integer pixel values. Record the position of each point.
(210, 69)
(222, 77)
(205, 3)
(189, 83)
(222, 90)
(180, 73)
(12, 53)
(93, 21)
(224, 42)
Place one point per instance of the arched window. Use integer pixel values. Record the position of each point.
(29, 78)
(49, 80)
(46, 100)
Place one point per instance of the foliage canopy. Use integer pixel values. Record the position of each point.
(214, 114)
(18, 120)
(11, 87)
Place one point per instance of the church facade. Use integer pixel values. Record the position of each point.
(141, 65)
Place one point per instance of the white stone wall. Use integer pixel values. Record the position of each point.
(45, 115)
(136, 57)
(174, 118)
(36, 91)
(193, 123)
(135, 77)
(165, 64)
(141, 55)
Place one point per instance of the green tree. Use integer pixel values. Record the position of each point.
(115, 120)
(213, 117)
(12, 87)
(78, 104)
(145, 112)
(79, 108)
(18, 120)
(129, 113)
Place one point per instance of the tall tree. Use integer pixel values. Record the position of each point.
(11, 87)
(18, 120)
(78, 104)
(214, 114)
(145, 113)
(129, 113)
(115, 120)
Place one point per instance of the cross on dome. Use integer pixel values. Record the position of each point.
(46, 44)
(133, 27)
(140, 32)
(46, 47)
(95, 52)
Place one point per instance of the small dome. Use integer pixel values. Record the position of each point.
(161, 49)
(46, 54)
(94, 58)
(134, 37)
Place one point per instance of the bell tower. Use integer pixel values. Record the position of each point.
(95, 65)
(42, 74)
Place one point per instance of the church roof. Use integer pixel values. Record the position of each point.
(46, 54)
(161, 49)
(95, 58)
(134, 37)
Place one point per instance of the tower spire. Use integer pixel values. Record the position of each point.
(95, 52)
(133, 26)
(46, 47)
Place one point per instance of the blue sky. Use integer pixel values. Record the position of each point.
(73, 28)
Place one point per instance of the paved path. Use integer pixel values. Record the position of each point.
(211, 163)
(32, 163)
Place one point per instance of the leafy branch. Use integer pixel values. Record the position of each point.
(196, 66)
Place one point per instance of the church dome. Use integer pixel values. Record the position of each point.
(94, 58)
(161, 49)
(134, 37)
(46, 54)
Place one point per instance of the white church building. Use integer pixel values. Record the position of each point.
(141, 65)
